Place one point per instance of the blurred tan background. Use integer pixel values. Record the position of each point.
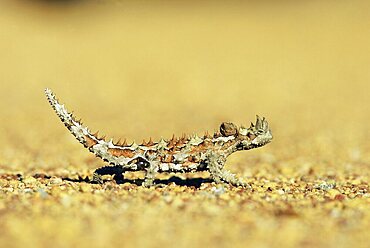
(154, 68)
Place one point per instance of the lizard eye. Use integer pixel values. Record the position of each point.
(259, 132)
(228, 129)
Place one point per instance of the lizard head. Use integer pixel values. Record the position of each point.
(256, 135)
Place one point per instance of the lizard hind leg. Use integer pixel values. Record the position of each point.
(108, 170)
(151, 172)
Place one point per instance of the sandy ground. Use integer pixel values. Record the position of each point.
(158, 68)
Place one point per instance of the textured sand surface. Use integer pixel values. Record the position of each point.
(154, 69)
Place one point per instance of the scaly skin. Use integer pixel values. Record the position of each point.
(185, 154)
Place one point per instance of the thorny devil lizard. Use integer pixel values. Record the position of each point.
(185, 154)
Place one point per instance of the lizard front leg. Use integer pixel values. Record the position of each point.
(215, 164)
(231, 178)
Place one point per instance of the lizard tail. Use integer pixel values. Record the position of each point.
(106, 150)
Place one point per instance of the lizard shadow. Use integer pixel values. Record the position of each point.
(191, 182)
